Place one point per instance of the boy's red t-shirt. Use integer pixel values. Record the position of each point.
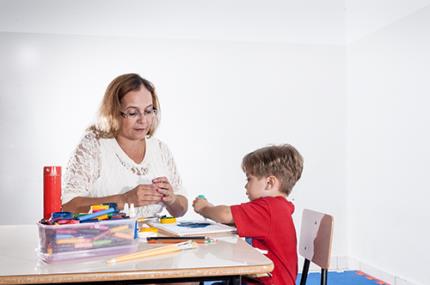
(268, 221)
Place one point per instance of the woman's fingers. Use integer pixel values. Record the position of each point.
(146, 194)
(160, 179)
(162, 183)
(165, 188)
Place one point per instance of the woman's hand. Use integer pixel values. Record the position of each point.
(143, 194)
(176, 205)
(163, 187)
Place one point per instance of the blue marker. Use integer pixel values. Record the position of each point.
(96, 214)
(193, 225)
(61, 216)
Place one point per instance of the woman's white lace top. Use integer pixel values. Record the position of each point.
(99, 167)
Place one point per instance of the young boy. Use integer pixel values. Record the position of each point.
(271, 174)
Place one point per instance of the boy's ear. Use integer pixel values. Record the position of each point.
(270, 182)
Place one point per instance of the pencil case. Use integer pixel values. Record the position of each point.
(86, 240)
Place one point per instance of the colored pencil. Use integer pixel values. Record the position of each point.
(154, 251)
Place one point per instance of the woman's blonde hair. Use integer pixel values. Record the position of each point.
(107, 125)
(282, 161)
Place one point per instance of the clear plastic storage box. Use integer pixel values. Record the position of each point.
(86, 240)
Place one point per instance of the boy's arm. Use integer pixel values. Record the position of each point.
(220, 214)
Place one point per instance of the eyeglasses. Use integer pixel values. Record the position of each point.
(133, 113)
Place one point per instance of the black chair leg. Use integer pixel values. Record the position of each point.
(324, 276)
(305, 272)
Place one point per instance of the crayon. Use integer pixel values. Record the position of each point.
(95, 215)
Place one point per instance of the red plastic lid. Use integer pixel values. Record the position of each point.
(52, 170)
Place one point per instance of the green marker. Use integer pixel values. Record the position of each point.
(102, 242)
(201, 196)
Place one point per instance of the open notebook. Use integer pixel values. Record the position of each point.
(193, 228)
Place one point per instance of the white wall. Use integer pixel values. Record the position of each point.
(302, 22)
(219, 100)
(233, 76)
(364, 17)
(388, 148)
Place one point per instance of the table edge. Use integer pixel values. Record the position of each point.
(137, 274)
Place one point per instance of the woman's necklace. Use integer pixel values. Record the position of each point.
(138, 170)
(133, 167)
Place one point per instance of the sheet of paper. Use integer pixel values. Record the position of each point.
(192, 228)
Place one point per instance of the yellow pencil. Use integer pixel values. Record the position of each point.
(155, 251)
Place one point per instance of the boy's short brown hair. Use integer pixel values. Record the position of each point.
(282, 161)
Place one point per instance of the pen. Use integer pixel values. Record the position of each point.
(179, 238)
(196, 239)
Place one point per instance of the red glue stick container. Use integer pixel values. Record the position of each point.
(51, 190)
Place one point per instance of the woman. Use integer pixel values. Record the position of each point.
(118, 160)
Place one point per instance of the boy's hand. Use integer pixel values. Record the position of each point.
(199, 204)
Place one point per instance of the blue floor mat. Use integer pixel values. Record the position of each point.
(337, 278)
(342, 278)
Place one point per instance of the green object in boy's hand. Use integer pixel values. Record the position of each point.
(201, 196)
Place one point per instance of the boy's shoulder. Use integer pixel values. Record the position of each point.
(268, 202)
(272, 199)
(275, 202)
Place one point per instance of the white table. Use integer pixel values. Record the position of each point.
(229, 256)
